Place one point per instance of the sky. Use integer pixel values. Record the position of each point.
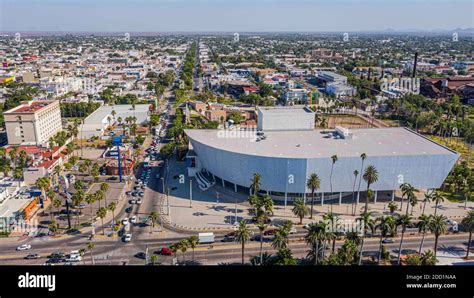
(234, 15)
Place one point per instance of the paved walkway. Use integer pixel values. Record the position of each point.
(218, 208)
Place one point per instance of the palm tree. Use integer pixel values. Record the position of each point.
(332, 221)
(423, 225)
(334, 159)
(43, 183)
(112, 206)
(261, 225)
(386, 226)
(90, 247)
(313, 183)
(438, 226)
(300, 209)
(371, 175)
(468, 224)
(90, 199)
(315, 236)
(427, 199)
(242, 236)
(437, 198)
(280, 239)
(367, 224)
(193, 242)
(267, 204)
(363, 157)
(53, 226)
(256, 183)
(102, 212)
(153, 217)
(57, 203)
(183, 245)
(52, 196)
(403, 188)
(356, 173)
(404, 221)
(104, 187)
(409, 191)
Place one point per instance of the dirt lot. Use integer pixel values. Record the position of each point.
(348, 121)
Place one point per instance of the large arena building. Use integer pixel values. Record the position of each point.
(286, 156)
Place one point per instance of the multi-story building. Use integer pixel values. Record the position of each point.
(33, 122)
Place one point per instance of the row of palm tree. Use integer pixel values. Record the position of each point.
(320, 234)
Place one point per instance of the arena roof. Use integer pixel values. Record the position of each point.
(374, 142)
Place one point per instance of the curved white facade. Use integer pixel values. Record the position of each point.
(228, 160)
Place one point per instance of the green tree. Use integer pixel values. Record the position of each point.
(367, 224)
(243, 236)
(193, 243)
(423, 225)
(404, 221)
(300, 209)
(313, 183)
(101, 213)
(371, 175)
(438, 226)
(468, 224)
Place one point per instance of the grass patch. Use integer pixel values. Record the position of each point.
(454, 197)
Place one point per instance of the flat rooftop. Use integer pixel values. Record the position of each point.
(30, 108)
(292, 111)
(395, 141)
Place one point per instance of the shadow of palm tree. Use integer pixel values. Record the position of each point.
(452, 250)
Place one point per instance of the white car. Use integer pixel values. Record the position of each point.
(293, 230)
(24, 247)
(139, 201)
(127, 238)
(125, 221)
(134, 219)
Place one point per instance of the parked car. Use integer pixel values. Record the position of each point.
(132, 201)
(141, 194)
(140, 255)
(129, 209)
(32, 256)
(24, 247)
(134, 219)
(165, 251)
(128, 192)
(125, 221)
(127, 237)
(113, 178)
(57, 255)
(139, 201)
(388, 240)
(269, 232)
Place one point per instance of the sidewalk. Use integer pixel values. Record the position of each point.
(217, 208)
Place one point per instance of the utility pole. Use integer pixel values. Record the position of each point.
(190, 193)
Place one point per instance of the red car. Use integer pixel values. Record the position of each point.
(166, 251)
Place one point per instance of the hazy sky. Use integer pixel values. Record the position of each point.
(233, 15)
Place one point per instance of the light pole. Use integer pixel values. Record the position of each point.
(168, 201)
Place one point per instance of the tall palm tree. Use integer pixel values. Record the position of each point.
(332, 221)
(183, 245)
(356, 173)
(367, 223)
(153, 217)
(112, 206)
(261, 225)
(43, 184)
(90, 247)
(315, 236)
(437, 198)
(193, 243)
(90, 199)
(424, 222)
(409, 191)
(313, 183)
(52, 196)
(371, 175)
(387, 226)
(403, 188)
(404, 221)
(468, 224)
(256, 183)
(438, 226)
(427, 199)
(104, 187)
(363, 157)
(243, 236)
(102, 212)
(300, 209)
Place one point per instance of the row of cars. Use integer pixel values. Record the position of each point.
(165, 251)
(54, 258)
